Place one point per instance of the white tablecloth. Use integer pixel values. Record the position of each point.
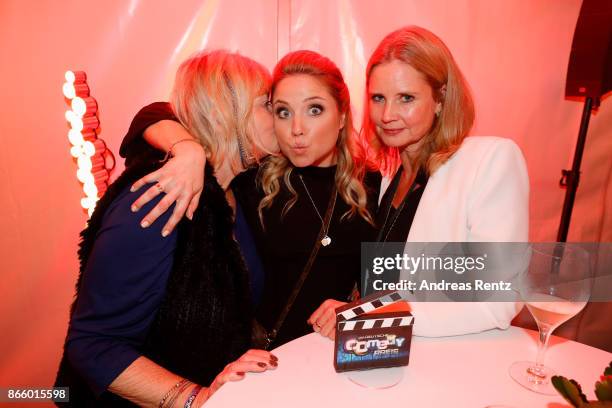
(461, 371)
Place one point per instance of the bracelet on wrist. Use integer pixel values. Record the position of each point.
(170, 153)
(194, 393)
(172, 391)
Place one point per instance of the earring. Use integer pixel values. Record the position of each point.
(246, 158)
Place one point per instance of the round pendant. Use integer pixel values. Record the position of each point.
(326, 240)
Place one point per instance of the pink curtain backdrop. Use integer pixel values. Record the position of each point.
(514, 54)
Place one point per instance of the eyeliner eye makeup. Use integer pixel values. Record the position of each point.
(315, 110)
(282, 112)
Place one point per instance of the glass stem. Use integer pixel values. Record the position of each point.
(544, 331)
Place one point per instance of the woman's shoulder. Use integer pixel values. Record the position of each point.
(124, 225)
(482, 144)
(476, 150)
(482, 155)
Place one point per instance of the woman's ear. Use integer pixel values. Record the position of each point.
(442, 93)
(441, 97)
(342, 121)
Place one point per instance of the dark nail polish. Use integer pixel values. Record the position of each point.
(240, 373)
(273, 363)
(273, 357)
(261, 364)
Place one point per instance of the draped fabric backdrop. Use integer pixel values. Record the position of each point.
(513, 53)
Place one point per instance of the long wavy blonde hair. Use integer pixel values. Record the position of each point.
(426, 53)
(213, 98)
(349, 174)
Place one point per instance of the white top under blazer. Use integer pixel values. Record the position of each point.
(481, 194)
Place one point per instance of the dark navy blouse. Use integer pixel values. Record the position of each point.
(123, 285)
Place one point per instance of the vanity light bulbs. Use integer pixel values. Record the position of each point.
(86, 148)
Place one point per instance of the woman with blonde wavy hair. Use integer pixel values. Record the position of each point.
(313, 125)
(310, 205)
(166, 321)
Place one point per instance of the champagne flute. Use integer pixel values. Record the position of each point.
(556, 286)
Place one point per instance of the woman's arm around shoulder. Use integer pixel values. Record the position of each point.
(156, 128)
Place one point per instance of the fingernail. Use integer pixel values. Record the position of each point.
(273, 357)
(273, 363)
(190, 217)
(165, 233)
(261, 364)
(134, 208)
(240, 373)
(145, 224)
(132, 189)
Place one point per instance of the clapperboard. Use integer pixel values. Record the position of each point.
(373, 332)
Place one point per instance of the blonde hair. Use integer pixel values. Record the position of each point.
(426, 53)
(213, 98)
(349, 174)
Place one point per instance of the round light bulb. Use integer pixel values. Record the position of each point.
(75, 137)
(90, 189)
(85, 176)
(70, 116)
(76, 151)
(78, 106)
(88, 202)
(77, 124)
(89, 148)
(84, 163)
(68, 90)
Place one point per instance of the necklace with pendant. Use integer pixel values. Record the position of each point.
(326, 238)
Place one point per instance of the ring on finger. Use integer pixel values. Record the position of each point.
(160, 188)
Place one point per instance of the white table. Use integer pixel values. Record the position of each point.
(461, 371)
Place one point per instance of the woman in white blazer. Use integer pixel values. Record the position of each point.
(440, 185)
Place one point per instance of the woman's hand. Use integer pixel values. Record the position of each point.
(255, 361)
(181, 178)
(323, 320)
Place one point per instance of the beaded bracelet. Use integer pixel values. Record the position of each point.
(174, 387)
(194, 393)
(177, 393)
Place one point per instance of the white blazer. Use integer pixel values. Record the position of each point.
(481, 194)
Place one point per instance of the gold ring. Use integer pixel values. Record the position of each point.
(159, 187)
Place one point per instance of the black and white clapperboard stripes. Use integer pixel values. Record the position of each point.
(376, 323)
(368, 304)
